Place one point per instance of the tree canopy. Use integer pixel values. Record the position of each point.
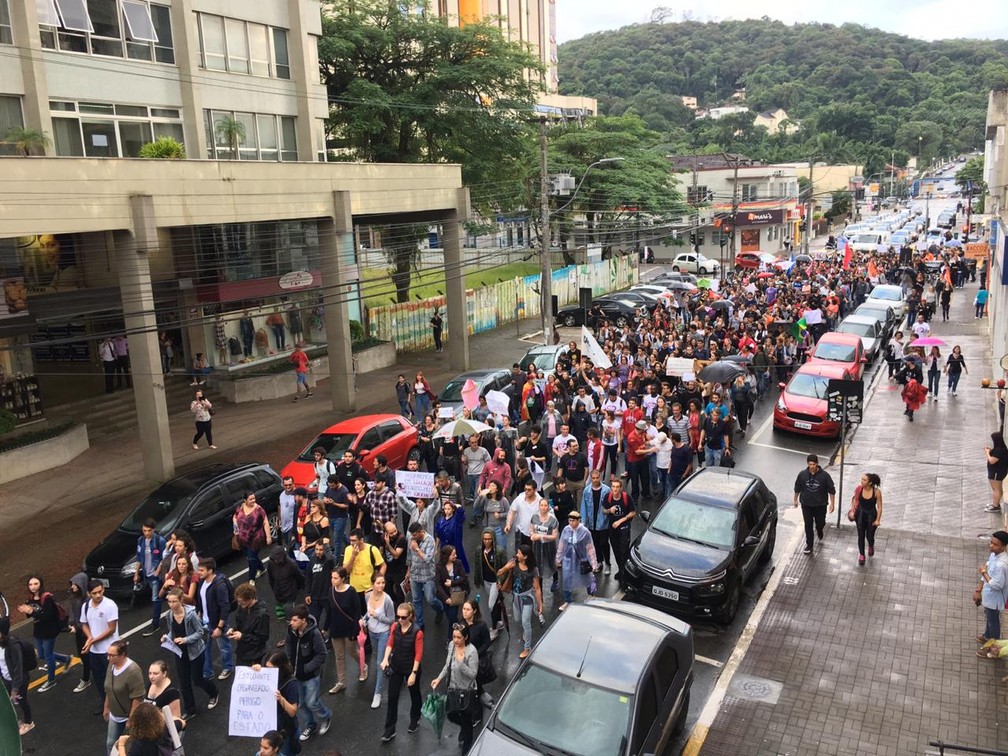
(860, 94)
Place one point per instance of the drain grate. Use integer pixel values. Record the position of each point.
(758, 689)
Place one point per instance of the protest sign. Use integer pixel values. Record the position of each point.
(253, 703)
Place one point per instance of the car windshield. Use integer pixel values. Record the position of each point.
(837, 352)
(861, 329)
(542, 361)
(805, 384)
(866, 239)
(333, 443)
(894, 294)
(164, 505)
(694, 521)
(540, 698)
(452, 392)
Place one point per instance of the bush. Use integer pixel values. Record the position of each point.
(7, 421)
(356, 330)
(34, 437)
(163, 148)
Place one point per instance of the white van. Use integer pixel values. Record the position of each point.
(866, 241)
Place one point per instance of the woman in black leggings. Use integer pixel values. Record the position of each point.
(868, 501)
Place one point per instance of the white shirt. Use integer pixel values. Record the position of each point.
(617, 406)
(523, 510)
(560, 444)
(98, 619)
(663, 453)
(204, 587)
(921, 329)
(4, 672)
(288, 509)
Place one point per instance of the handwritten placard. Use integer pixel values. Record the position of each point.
(415, 485)
(253, 702)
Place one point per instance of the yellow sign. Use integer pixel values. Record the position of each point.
(976, 251)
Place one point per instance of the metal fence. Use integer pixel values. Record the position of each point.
(408, 324)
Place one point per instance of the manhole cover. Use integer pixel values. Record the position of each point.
(755, 689)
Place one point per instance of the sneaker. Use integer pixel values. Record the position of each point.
(324, 727)
(82, 686)
(363, 675)
(43, 667)
(150, 631)
(188, 715)
(413, 728)
(25, 728)
(47, 685)
(807, 550)
(820, 534)
(992, 508)
(871, 551)
(563, 606)
(225, 674)
(212, 703)
(337, 688)
(309, 396)
(860, 560)
(608, 569)
(307, 732)
(387, 736)
(376, 701)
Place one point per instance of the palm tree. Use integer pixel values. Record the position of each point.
(231, 132)
(27, 140)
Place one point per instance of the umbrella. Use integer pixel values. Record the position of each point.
(927, 341)
(740, 359)
(722, 304)
(703, 283)
(433, 710)
(680, 286)
(461, 427)
(721, 371)
(766, 274)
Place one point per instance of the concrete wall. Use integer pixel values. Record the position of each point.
(45, 455)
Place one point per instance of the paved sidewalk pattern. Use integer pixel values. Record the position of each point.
(881, 659)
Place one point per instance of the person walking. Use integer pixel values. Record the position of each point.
(401, 663)
(423, 394)
(377, 621)
(992, 592)
(620, 509)
(596, 521)
(460, 668)
(997, 468)
(185, 630)
(934, 368)
(404, 395)
(437, 326)
(252, 531)
(306, 650)
(150, 550)
(980, 303)
(300, 361)
(955, 366)
(576, 558)
(489, 560)
(78, 596)
(420, 570)
(813, 489)
(344, 627)
(106, 353)
(42, 610)
(201, 408)
(526, 593)
(866, 508)
(124, 683)
(213, 602)
(913, 394)
(286, 581)
(285, 739)
(477, 633)
(250, 630)
(99, 619)
(14, 675)
(545, 532)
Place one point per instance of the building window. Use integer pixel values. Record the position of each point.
(10, 118)
(266, 136)
(6, 33)
(231, 252)
(696, 195)
(133, 29)
(228, 44)
(749, 192)
(96, 129)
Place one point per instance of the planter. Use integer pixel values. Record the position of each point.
(43, 455)
(280, 385)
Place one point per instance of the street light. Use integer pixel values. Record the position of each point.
(546, 242)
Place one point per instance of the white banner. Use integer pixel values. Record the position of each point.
(678, 366)
(414, 485)
(590, 347)
(253, 702)
(498, 402)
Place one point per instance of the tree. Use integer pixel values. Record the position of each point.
(163, 148)
(231, 132)
(27, 140)
(970, 178)
(409, 88)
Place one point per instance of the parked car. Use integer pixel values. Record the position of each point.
(801, 407)
(486, 380)
(665, 277)
(884, 314)
(841, 349)
(544, 357)
(703, 544)
(644, 299)
(620, 311)
(868, 328)
(694, 262)
(202, 502)
(391, 436)
(756, 260)
(606, 678)
(890, 295)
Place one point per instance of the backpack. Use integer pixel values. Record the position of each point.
(29, 659)
(61, 613)
(232, 602)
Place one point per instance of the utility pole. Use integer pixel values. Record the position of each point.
(545, 241)
(734, 212)
(969, 212)
(808, 208)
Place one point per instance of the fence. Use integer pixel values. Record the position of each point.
(408, 324)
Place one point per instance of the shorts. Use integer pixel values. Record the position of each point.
(995, 476)
(302, 379)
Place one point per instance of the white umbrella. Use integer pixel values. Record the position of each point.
(461, 427)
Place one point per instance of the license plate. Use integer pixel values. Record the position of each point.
(104, 582)
(664, 593)
(803, 426)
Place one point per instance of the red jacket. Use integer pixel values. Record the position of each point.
(594, 452)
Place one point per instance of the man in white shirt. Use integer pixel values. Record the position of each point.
(521, 512)
(614, 404)
(921, 329)
(288, 511)
(561, 442)
(99, 619)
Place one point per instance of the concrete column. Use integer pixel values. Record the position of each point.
(302, 49)
(336, 251)
(185, 38)
(452, 235)
(133, 265)
(35, 102)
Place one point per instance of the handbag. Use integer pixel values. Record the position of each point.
(458, 699)
(485, 672)
(457, 597)
(853, 511)
(585, 567)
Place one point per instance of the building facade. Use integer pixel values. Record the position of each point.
(996, 178)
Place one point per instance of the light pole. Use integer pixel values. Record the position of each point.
(546, 237)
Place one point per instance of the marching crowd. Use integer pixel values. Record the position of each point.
(553, 485)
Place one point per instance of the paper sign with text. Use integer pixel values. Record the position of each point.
(415, 485)
(253, 703)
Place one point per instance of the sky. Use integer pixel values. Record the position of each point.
(921, 19)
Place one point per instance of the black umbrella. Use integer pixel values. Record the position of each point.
(721, 371)
(721, 304)
(739, 359)
(679, 286)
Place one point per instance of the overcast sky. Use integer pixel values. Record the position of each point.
(923, 19)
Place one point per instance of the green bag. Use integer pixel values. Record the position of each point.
(433, 710)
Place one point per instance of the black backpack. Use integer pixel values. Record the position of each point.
(29, 659)
(232, 602)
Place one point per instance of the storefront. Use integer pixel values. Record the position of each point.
(761, 230)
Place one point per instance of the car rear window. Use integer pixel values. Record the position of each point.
(836, 352)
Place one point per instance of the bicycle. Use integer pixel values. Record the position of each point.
(4, 607)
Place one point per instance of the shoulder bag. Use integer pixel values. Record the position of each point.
(458, 699)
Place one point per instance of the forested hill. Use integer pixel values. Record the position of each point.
(858, 85)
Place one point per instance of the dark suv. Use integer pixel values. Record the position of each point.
(703, 544)
(202, 502)
(607, 678)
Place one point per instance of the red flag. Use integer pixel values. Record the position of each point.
(847, 255)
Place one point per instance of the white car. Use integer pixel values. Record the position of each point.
(694, 262)
(889, 295)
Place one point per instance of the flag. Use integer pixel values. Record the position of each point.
(470, 394)
(790, 264)
(590, 347)
(538, 473)
(798, 328)
(843, 246)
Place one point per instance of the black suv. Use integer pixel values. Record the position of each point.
(201, 502)
(703, 544)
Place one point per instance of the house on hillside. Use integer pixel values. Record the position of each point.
(689, 102)
(771, 120)
(726, 110)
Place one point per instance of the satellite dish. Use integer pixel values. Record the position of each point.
(1004, 362)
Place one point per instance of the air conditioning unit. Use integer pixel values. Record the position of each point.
(777, 173)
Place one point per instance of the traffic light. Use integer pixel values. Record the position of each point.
(692, 239)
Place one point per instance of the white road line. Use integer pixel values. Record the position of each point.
(707, 660)
(778, 448)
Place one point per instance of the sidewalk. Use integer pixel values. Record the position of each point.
(881, 659)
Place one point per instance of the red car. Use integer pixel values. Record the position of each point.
(843, 349)
(755, 260)
(391, 436)
(802, 404)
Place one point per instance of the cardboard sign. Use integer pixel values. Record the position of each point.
(414, 485)
(253, 703)
(678, 366)
(976, 251)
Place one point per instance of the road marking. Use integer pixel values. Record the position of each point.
(707, 660)
(802, 452)
(60, 669)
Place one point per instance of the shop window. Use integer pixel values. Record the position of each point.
(6, 32)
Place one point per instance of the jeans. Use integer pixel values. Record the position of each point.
(993, 629)
(712, 457)
(99, 666)
(404, 408)
(422, 405)
(280, 336)
(338, 537)
(378, 643)
(226, 656)
(115, 729)
(473, 482)
(311, 707)
(190, 672)
(493, 602)
(816, 516)
(156, 601)
(664, 486)
(421, 591)
(980, 309)
(933, 377)
(953, 381)
(762, 383)
(395, 683)
(522, 604)
(652, 461)
(255, 564)
(45, 648)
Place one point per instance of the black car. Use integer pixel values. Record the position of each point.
(606, 678)
(622, 312)
(703, 544)
(202, 502)
(643, 299)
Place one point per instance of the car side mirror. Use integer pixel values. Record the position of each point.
(864, 359)
(750, 541)
(645, 515)
(363, 453)
(782, 386)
